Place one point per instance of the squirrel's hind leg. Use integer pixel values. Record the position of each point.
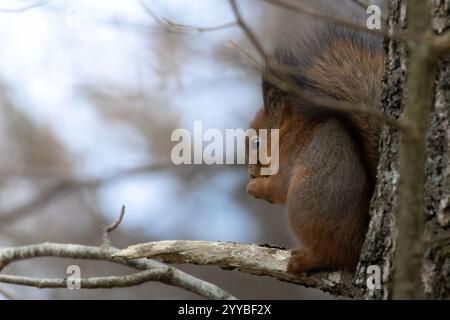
(303, 261)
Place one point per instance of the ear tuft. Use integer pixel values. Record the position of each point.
(272, 96)
(277, 104)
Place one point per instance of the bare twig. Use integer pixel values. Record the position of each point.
(174, 276)
(91, 283)
(253, 259)
(171, 26)
(247, 31)
(111, 228)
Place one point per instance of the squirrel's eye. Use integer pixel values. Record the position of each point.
(255, 143)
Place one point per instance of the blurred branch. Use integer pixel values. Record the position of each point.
(362, 3)
(66, 185)
(170, 26)
(35, 204)
(62, 175)
(248, 32)
(7, 295)
(440, 44)
(25, 8)
(254, 259)
(281, 78)
(303, 10)
(153, 270)
(339, 105)
(412, 205)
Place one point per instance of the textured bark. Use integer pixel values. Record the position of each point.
(254, 259)
(379, 246)
(436, 270)
(381, 238)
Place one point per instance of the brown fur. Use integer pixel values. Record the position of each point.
(327, 162)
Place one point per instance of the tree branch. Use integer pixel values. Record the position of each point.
(172, 275)
(92, 283)
(254, 259)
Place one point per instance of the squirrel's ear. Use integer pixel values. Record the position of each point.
(276, 104)
(272, 98)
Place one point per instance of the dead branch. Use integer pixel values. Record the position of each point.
(254, 259)
(156, 271)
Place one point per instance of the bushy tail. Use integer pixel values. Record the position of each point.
(341, 65)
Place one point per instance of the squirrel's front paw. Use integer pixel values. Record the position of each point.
(256, 187)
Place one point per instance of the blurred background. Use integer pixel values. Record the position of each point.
(90, 91)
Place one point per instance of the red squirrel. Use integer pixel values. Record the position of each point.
(327, 156)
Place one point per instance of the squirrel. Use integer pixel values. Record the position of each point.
(327, 156)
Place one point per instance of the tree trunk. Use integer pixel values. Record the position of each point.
(436, 269)
(381, 238)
